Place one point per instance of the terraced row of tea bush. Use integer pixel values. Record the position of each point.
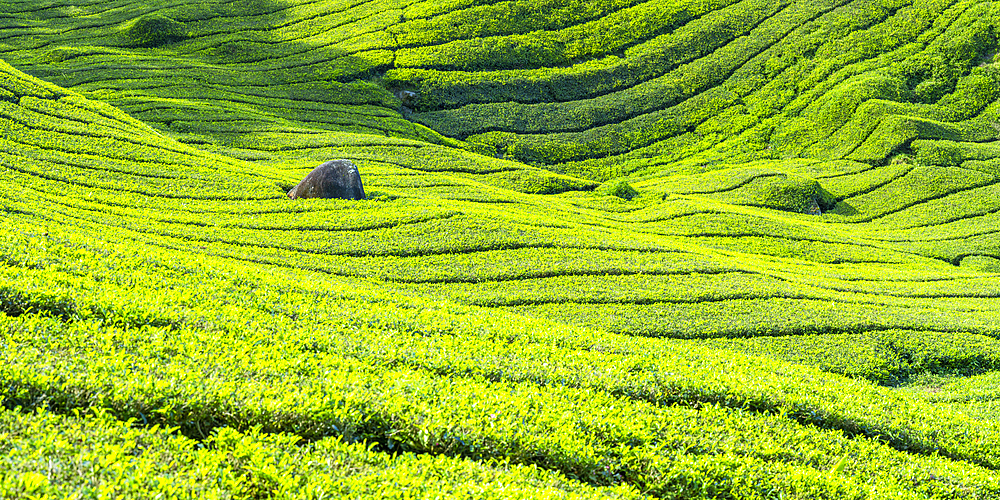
(587, 88)
(752, 253)
(536, 252)
(204, 344)
(827, 79)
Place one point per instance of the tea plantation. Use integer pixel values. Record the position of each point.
(724, 249)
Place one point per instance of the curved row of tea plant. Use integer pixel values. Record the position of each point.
(684, 250)
(338, 359)
(98, 455)
(793, 293)
(598, 88)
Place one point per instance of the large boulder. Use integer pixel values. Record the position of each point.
(333, 179)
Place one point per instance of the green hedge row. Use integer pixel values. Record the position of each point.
(892, 357)
(857, 106)
(94, 455)
(956, 215)
(633, 88)
(570, 149)
(501, 18)
(918, 185)
(779, 316)
(647, 97)
(951, 153)
(649, 59)
(406, 412)
(606, 35)
(144, 344)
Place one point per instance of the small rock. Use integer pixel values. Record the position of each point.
(814, 208)
(407, 96)
(332, 179)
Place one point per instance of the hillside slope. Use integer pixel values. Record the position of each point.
(502, 318)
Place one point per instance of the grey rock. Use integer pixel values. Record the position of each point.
(408, 97)
(814, 208)
(332, 179)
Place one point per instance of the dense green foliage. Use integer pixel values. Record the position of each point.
(732, 249)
